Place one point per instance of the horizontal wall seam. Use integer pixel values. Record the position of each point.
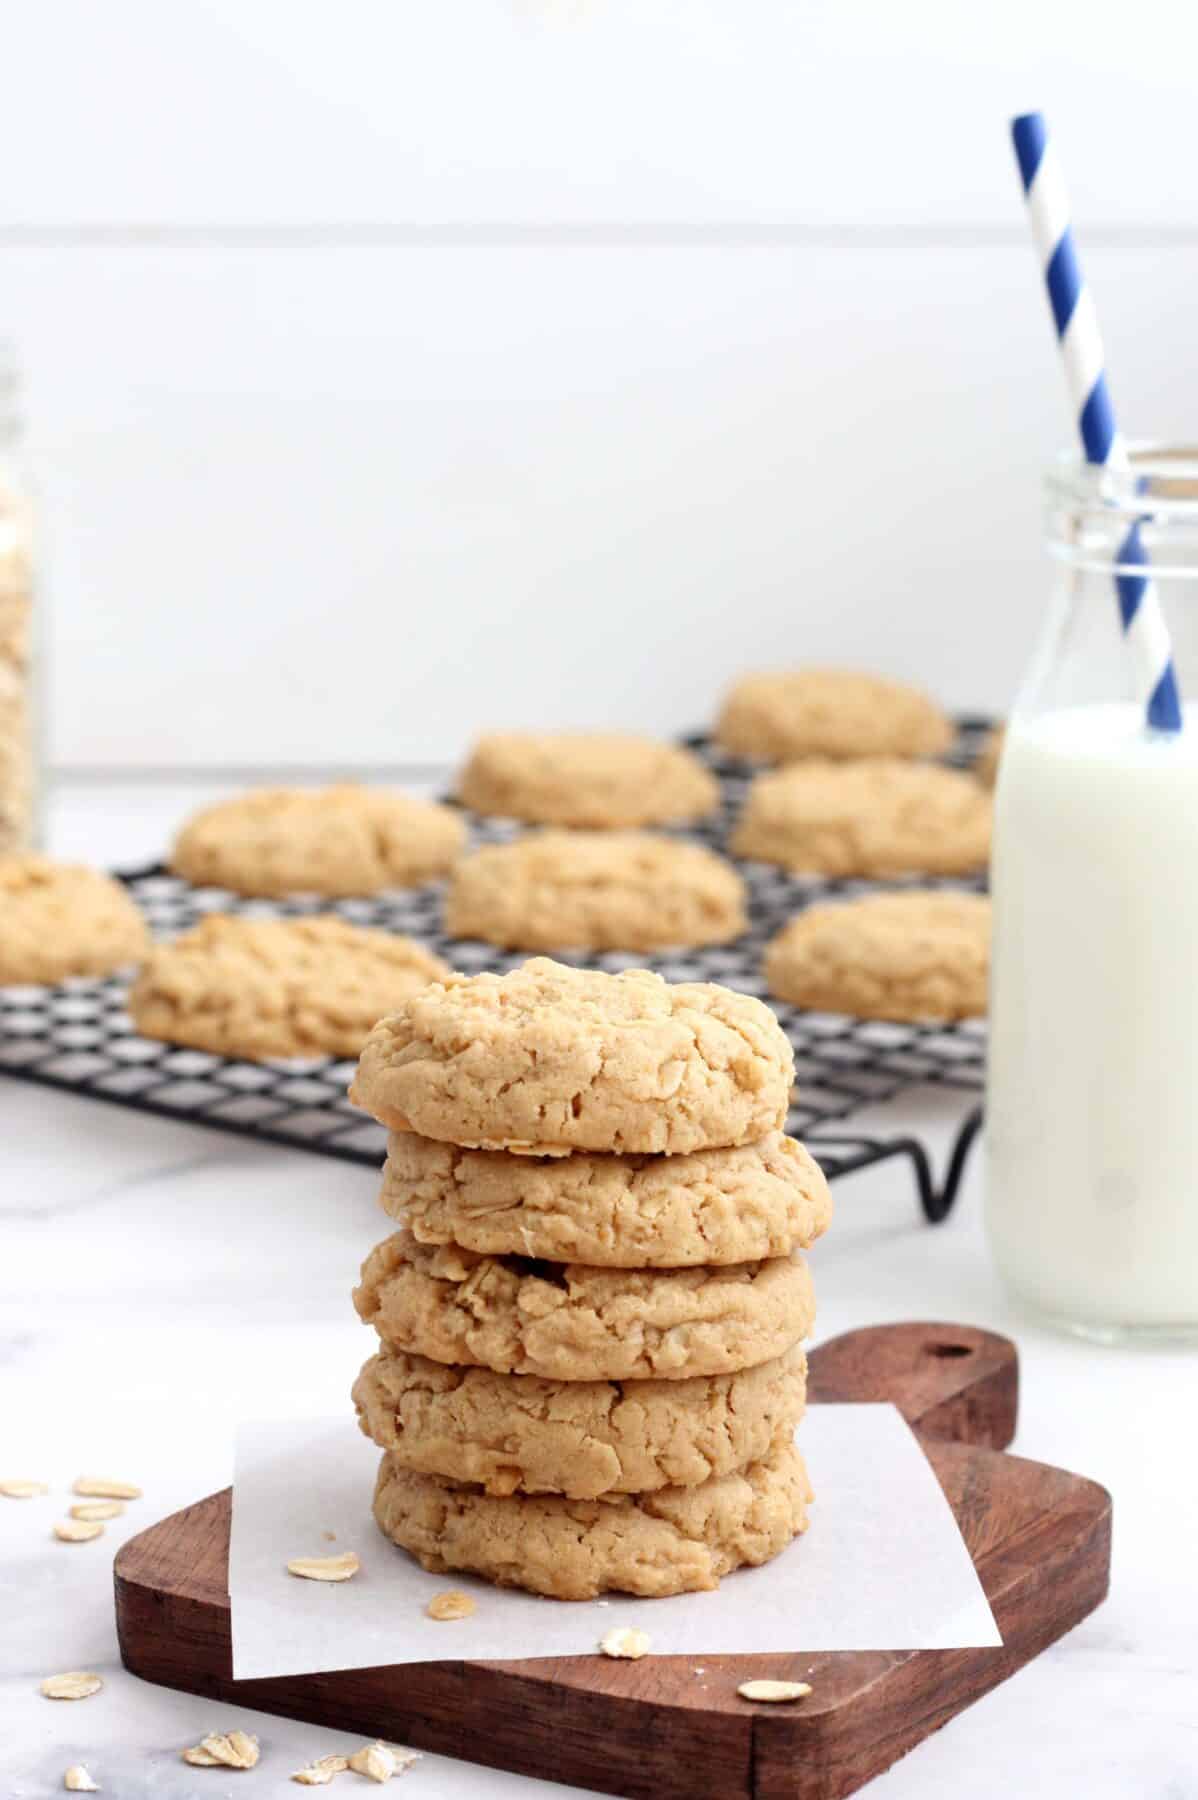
(664, 235)
(91, 774)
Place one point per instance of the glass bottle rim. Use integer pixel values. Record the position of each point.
(1160, 482)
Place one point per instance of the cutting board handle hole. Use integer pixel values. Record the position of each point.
(946, 1350)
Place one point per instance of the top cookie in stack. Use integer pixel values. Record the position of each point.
(551, 1059)
(591, 1317)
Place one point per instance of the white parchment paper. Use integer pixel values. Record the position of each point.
(881, 1567)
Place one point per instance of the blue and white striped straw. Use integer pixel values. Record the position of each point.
(1081, 347)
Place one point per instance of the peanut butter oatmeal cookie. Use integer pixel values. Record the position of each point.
(889, 956)
(59, 919)
(986, 766)
(786, 715)
(588, 890)
(276, 987)
(337, 841)
(674, 1540)
(595, 779)
(511, 1433)
(874, 817)
(550, 1059)
(573, 1322)
(625, 1212)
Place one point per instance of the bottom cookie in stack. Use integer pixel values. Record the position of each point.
(673, 1540)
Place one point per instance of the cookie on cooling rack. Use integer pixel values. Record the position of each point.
(787, 715)
(550, 1059)
(673, 1540)
(875, 817)
(598, 780)
(986, 766)
(337, 841)
(906, 957)
(595, 890)
(259, 988)
(59, 919)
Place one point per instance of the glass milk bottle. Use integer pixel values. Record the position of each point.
(1092, 1089)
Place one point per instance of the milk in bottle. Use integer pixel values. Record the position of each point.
(1092, 1086)
(1092, 1125)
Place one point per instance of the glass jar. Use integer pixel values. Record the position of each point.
(1092, 1086)
(18, 721)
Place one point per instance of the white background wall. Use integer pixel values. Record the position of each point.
(394, 369)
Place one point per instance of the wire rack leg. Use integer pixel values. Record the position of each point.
(847, 1156)
(938, 1205)
(938, 1202)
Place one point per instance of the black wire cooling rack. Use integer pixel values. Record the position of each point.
(77, 1036)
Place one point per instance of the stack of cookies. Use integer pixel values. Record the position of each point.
(593, 1310)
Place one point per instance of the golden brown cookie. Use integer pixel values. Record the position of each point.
(337, 841)
(674, 1540)
(59, 919)
(625, 1212)
(889, 956)
(588, 890)
(580, 1438)
(572, 1322)
(276, 987)
(550, 1059)
(986, 766)
(588, 778)
(873, 817)
(786, 715)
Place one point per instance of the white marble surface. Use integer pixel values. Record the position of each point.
(158, 1281)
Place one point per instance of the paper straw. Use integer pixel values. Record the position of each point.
(1085, 376)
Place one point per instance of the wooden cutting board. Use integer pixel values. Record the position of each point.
(1040, 1539)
